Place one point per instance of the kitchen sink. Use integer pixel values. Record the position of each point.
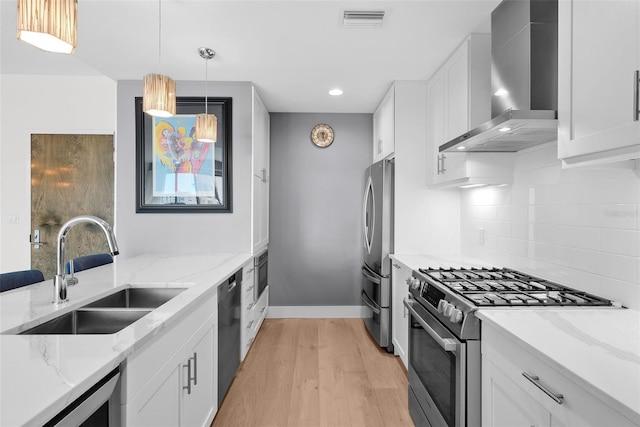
(87, 321)
(136, 298)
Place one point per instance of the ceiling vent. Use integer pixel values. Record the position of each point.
(363, 18)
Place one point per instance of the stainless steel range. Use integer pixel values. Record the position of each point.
(444, 334)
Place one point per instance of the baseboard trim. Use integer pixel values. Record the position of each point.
(316, 312)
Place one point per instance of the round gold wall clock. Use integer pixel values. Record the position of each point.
(322, 135)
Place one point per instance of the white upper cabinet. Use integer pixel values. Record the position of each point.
(384, 127)
(459, 99)
(260, 171)
(599, 59)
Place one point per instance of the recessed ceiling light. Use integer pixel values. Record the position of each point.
(502, 92)
(336, 92)
(504, 129)
(462, 148)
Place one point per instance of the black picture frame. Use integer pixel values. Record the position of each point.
(175, 173)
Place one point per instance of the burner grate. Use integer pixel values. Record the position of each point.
(506, 287)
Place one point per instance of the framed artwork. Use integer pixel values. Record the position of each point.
(176, 173)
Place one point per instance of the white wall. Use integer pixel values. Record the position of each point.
(41, 104)
(579, 226)
(184, 233)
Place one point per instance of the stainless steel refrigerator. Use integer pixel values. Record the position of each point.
(377, 230)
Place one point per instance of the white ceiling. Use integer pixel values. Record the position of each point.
(294, 51)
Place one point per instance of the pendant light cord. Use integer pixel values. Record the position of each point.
(206, 85)
(160, 34)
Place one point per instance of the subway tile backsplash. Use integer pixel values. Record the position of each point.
(579, 227)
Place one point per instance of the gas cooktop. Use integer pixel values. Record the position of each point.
(501, 287)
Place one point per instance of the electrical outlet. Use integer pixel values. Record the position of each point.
(481, 236)
(14, 219)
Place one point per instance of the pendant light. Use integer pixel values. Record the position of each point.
(159, 96)
(206, 124)
(50, 25)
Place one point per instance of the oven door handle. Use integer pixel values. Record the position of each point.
(370, 275)
(447, 344)
(367, 301)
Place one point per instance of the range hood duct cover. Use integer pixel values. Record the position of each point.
(524, 80)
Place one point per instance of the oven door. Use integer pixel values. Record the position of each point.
(261, 263)
(436, 370)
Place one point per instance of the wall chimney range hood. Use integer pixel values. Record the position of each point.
(524, 80)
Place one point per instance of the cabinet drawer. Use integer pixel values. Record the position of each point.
(146, 362)
(578, 406)
(248, 273)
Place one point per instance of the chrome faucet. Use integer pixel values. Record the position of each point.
(59, 281)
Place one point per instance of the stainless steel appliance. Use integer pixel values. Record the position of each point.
(261, 263)
(377, 223)
(524, 80)
(444, 334)
(228, 332)
(98, 407)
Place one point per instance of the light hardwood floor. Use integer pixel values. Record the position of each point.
(316, 372)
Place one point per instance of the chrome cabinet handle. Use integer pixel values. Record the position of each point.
(447, 344)
(438, 165)
(190, 378)
(250, 306)
(263, 309)
(249, 271)
(443, 170)
(558, 398)
(636, 95)
(396, 265)
(250, 324)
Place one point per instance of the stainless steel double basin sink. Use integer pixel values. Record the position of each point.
(107, 315)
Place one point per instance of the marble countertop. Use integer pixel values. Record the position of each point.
(597, 348)
(41, 374)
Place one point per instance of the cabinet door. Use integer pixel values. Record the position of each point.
(400, 323)
(199, 402)
(158, 404)
(435, 124)
(260, 197)
(384, 127)
(504, 404)
(596, 104)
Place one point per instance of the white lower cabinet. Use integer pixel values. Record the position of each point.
(547, 398)
(254, 315)
(253, 311)
(173, 380)
(400, 318)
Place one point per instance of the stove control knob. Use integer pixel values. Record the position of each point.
(449, 309)
(455, 316)
(442, 305)
(413, 283)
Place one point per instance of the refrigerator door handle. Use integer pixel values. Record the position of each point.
(368, 218)
(367, 301)
(370, 275)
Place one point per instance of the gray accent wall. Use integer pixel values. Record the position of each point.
(315, 236)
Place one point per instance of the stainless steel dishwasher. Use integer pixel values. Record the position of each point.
(228, 332)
